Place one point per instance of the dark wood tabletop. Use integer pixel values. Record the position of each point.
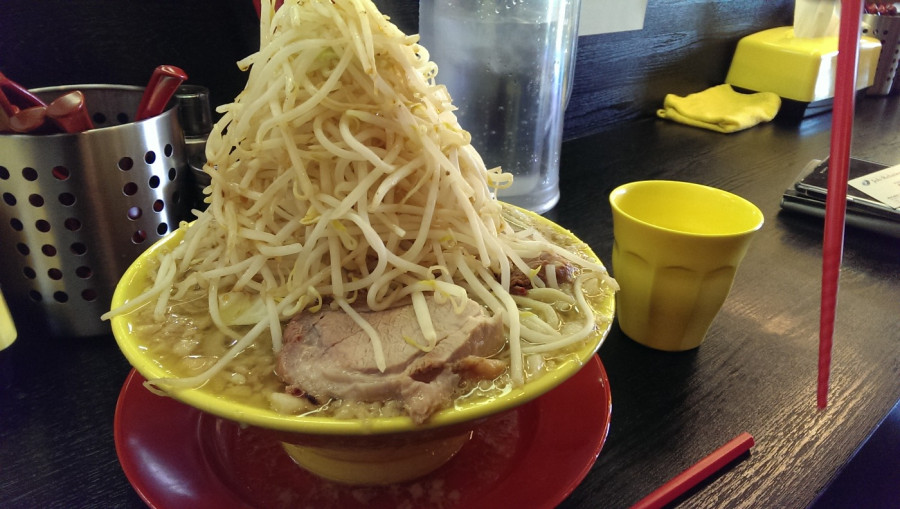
(756, 371)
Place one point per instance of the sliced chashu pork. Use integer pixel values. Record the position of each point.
(327, 355)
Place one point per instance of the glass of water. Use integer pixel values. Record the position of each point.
(508, 66)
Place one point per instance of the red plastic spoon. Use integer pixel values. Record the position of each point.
(163, 83)
(30, 121)
(69, 113)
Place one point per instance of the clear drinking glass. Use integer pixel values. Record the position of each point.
(508, 66)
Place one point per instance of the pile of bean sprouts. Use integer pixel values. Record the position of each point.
(341, 177)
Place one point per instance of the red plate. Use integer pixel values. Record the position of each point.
(532, 456)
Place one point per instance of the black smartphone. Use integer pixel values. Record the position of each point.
(815, 185)
(807, 196)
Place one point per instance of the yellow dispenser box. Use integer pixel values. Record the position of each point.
(799, 69)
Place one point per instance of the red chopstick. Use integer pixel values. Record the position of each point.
(836, 198)
(686, 480)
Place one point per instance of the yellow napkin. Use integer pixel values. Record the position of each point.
(721, 109)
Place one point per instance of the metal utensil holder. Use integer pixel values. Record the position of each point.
(887, 30)
(77, 209)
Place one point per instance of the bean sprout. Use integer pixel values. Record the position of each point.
(339, 169)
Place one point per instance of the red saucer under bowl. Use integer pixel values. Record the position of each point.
(532, 456)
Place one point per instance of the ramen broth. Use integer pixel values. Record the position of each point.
(187, 343)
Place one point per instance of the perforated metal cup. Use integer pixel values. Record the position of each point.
(77, 209)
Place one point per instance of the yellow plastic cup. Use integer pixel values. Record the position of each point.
(676, 250)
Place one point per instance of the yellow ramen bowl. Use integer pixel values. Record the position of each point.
(376, 450)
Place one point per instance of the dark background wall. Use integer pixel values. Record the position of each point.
(684, 47)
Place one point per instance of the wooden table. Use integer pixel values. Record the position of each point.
(756, 372)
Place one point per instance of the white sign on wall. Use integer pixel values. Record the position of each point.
(606, 16)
